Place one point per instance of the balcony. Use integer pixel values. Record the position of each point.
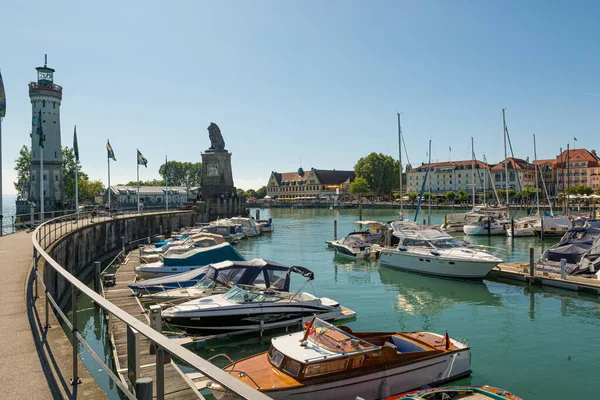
(44, 86)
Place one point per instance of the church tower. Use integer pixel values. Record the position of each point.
(46, 97)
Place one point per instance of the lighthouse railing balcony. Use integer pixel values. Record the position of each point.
(45, 86)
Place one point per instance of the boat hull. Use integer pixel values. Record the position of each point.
(518, 232)
(433, 371)
(432, 265)
(478, 230)
(355, 255)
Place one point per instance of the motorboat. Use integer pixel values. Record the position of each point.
(455, 222)
(150, 254)
(485, 225)
(456, 393)
(329, 362)
(249, 226)
(434, 252)
(355, 246)
(522, 227)
(265, 225)
(191, 259)
(553, 226)
(220, 277)
(579, 247)
(246, 308)
(168, 282)
(232, 233)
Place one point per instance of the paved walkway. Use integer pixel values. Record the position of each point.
(29, 367)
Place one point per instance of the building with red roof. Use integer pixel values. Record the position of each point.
(305, 185)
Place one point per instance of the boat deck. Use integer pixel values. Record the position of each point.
(177, 384)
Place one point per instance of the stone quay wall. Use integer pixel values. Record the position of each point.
(77, 250)
(213, 209)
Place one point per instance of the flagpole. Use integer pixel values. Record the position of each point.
(108, 158)
(41, 182)
(1, 209)
(166, 186)
(138, 180)
(76, 173)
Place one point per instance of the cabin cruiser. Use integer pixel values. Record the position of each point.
(232, 233)
(329, 362)
(355, 246)
(485, 225)
(248, 225)
(433, 252)
(455, 222)
(150, 254)
(168, 282)
(220, 277)
(579, 247)
(553, 226)
(250, 308)
(371, 232)
(265, 225)
(191, 259)
(522, 227)
(456, 393)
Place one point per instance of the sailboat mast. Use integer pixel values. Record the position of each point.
(505, 156)
(473, 168)
(400, 163)
(429, 189)
(537, 185)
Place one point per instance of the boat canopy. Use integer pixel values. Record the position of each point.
(573, 245)
(203, 256)
(257, 272)
(182, 280)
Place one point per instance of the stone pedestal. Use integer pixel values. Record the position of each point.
(217, 177)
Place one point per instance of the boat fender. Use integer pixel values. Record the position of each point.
(384, 389)
(435, 253)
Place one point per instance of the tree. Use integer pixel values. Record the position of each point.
(68, 167)
(426, 196)
(412, 197)
(450, 196)
(182, 173)
(261, 193)
(462, 196)
(381, 173)
(89, 189)
(153, 182)
(23, 168)
(512, 193)
(359, 186)
(501, 194)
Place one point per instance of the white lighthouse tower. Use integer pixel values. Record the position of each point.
(46, 97)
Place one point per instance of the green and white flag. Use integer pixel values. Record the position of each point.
(109, 149)
(141, 160)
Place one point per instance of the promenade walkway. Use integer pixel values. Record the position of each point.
(33, 364)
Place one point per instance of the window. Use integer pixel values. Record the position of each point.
(326, 368)
(292, 367)
(276, 359)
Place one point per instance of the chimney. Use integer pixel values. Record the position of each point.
(594, 153)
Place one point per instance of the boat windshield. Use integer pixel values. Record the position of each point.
(206, 283)
(334, 339)
(239, 295)
(446, 243)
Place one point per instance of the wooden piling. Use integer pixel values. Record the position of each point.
(97, 278)
(531, 267)
(335, 229)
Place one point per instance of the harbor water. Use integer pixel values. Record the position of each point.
(538, 343)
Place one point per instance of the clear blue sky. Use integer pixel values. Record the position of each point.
(311, 80)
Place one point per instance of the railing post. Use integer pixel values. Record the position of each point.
(143, 389)
(133, 355)
(563, 273)
(160, 373)
(123, 244)
(97, 280)
(75, 380)
(35, 275)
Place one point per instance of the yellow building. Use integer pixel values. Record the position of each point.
(309, 185)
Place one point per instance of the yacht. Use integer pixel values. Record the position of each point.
(457, 392)
(265, 225)
(485, 225)
(580, 248)
(249, 226)
(245, 308)
(552, 226)
(522, 227)
(150, 254)
(355, 246)
(434, 252)
(329, 362)
(232, 233)
(220, 277)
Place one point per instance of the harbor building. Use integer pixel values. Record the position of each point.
(577, 167)
(449, 176)
(521, 174)
(46, 97)
(308, 185)
(547, 168)
(126, 196)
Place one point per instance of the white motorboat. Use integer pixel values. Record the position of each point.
(245, 308)
(553, 226)
(232, 233)
(328, 362)
(486, 225)
(433, 252)
(265, 225)
(522, 227)
(248, 225)
(355, 246)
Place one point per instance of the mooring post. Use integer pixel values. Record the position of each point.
(160, 374)
(257, 214)
(563, 274)
(512, 227)
(424, 222)
(360, 212)
(97, 280)
(335, 229)
(388, 238)
(75, 379)
(531, 267)
(123, 244)
(542, 231)
(143, 389)
(160, 229)
(489, 226)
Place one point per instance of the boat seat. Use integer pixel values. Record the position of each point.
(393, 346)
(406, 346)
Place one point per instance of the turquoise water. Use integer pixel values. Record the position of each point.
(536, 343)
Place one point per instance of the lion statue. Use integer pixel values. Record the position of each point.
(216, 139)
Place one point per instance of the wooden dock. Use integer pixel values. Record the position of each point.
(177, 384)
(519, 271)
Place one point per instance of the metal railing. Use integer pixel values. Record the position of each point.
(47, 234)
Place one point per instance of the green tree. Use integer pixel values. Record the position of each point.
(68, 166)
(381, 173)
(462, 196)
(261, 193)
(153, 182)
(23, 168)
(426, 195)
(512, 193)
(412, 197)
(179, 173)
(450, 196)
(501, 194)
(359, 186)
(89, 189)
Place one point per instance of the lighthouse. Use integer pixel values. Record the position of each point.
(46, 97)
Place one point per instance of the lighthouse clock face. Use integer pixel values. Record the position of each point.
(45, 76)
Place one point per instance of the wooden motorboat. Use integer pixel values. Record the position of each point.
(329, 362)
(456, 393)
